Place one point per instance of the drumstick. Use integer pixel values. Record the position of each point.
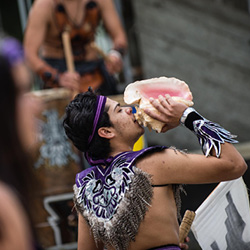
(186, 225)
(68, 53)
(68, 49)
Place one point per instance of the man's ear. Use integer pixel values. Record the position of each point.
(106, 132)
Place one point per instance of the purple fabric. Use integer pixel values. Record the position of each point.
(102, 189)
(98, 162)
(211, 135)
(100, 105)
(12, 50)
(166, 247)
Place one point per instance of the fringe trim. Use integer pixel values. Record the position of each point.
(123, 227)
(178, 188)
(211, 135)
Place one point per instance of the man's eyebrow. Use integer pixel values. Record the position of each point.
(117, 105)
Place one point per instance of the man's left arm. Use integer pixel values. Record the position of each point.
(115, 29)
(113, 24)
(85, 237)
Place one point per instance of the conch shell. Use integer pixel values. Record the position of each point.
(139, 93)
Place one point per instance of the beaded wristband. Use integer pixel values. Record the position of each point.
(115, 53)
(210, 135)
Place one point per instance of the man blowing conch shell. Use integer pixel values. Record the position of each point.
(130, 199)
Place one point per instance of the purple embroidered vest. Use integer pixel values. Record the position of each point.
(114, 199)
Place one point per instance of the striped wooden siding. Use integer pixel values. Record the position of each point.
(207, 45)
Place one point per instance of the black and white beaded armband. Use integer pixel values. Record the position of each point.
(210, 135)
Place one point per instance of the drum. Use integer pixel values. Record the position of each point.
(57, 162)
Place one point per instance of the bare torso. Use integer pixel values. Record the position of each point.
(160, 226)
(76, 15)
(43, 40)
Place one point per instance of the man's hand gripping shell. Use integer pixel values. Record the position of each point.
(170, 111)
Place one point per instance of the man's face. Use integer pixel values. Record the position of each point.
(124, 122)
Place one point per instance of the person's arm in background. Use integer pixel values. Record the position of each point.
(38, 22)
(14, 230)
(116, 31)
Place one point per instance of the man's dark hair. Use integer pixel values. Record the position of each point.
(78, 125)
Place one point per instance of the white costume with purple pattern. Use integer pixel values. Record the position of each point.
(114, 199)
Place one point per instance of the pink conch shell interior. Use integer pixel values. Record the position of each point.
(139, 93)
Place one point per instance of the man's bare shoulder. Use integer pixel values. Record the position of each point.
(101, 2)
(42, 6)
(40, 12)
(105, 4)
(43, 3)
(165, 166)
(155, 159)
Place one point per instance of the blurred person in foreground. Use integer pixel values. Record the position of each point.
(131, 199)
(17, 139)
(44, 47)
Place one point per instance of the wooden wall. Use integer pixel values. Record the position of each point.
(206, 44)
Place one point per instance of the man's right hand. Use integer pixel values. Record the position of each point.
(114, 63)
(70, 80)
(184, 246)
(170, 111)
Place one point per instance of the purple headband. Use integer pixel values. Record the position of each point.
(12, 50)
(101, 101)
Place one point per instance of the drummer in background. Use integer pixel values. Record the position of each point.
(44, 50)
(17, 139)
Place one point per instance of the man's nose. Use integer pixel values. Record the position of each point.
(129, 110)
